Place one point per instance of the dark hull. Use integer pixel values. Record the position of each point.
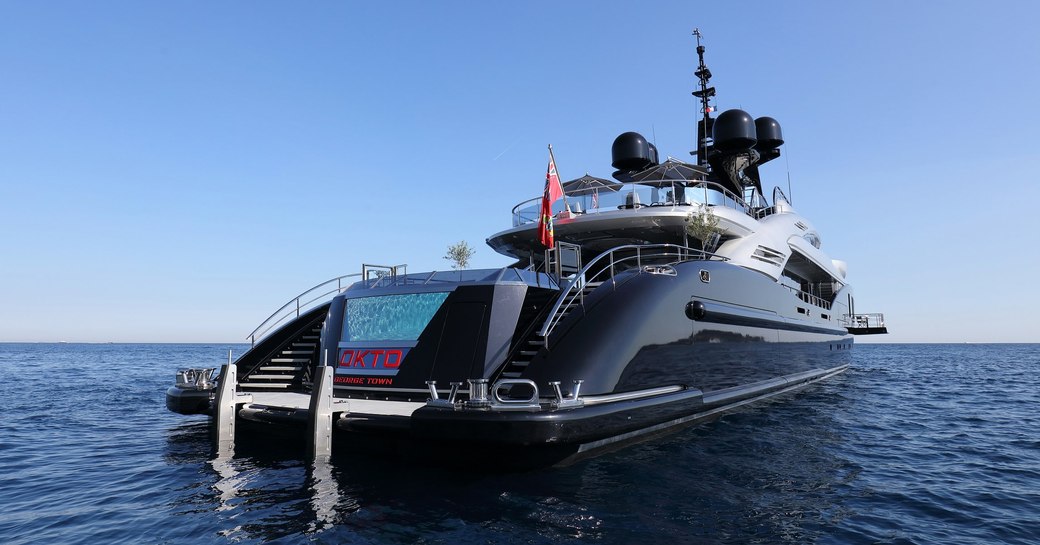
(637, 334)
(590, 429)
(647, 366)
(517, 440)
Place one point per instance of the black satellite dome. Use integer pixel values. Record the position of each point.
(734, 130)
(631, 152)
(769, 135)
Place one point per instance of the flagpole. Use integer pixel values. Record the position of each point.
(553, 159)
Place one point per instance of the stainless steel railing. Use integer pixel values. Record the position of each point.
(810, 298)
(608, 264)
(876, 320)
(301, 303)
(372, 275)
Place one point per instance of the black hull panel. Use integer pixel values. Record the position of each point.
(637, 334)
(499, 440)
(598, 425)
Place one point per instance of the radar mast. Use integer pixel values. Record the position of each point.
(705, 94)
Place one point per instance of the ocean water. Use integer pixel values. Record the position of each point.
(914, 444)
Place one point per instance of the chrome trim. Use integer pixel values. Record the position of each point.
(529, 404)
(195, 378)
(478, 394)
(502, 383)
(815, 376)
(570, 402)
(626, 396)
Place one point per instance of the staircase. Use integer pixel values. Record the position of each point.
(288, 367)
(532, 344)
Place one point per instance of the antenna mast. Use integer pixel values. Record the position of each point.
(704, 94)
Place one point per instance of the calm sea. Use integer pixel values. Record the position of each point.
(914, 444)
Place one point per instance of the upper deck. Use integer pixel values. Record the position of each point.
(597, 214)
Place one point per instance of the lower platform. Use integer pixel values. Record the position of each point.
(540, 435)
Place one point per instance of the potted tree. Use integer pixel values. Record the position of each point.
(459, 255)
(704, 226)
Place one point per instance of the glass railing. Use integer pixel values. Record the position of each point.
(632, 196)
(432, 278)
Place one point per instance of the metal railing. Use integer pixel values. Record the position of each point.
(778, 196)
(624, 258)
(876, 320)
(810, 298)
(376, 276)
(668, 193)
(301, 303)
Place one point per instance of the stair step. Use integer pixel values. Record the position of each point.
(291, 352)
(298, 344)
(267, 368)
(536, 342)
(269, 377)
(290, 360)
(264, 385)
(519, 363)
(528, 352)
(511, 374)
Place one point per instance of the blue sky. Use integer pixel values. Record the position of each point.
(173, 172)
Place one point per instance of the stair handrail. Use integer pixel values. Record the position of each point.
(520, 341)
(297, 305)
(576, 284)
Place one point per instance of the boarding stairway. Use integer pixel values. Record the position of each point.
(289, 367)
(532, 343)
(284, 361)
(286, 346)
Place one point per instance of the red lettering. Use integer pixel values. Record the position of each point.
(396, 363)
(387, 358)
(359, 359)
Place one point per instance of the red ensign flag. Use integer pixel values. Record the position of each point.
(553, 191)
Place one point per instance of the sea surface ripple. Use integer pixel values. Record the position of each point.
(914, 444)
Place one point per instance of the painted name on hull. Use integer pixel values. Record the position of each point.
(365, 381)
(386, 358)
(369, 366)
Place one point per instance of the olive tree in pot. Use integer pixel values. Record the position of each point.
(459, 255)
(704, 226)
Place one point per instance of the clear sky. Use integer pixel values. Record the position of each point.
(175, 171)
